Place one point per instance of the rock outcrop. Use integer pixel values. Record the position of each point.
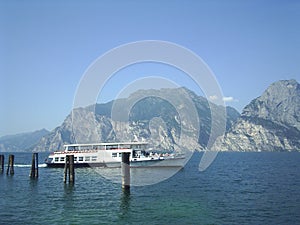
(270, 122)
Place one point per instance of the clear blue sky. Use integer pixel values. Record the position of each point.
(45, 47)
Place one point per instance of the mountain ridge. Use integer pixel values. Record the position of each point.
(151, 119)
(270, 122)
(21, 142)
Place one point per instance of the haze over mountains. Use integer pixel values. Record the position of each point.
(270, 122)
(21, 142)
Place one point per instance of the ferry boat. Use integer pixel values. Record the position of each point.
(110, 155)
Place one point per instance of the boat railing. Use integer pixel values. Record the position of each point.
(90, 151)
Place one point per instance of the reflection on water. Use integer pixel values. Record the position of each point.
(68, 189)
(68, 197)
(33, 184)
(140, 176)
(125, 202)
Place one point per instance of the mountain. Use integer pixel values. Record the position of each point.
(164, 118)
(21, 142)
(270, 122)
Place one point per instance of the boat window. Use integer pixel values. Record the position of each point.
(80, 158)
(94, 158)
(87, 158)
(75, 159)
(110, 147)
(114, 154)
(137, 147)
(85, 147)
(49, 160)
(120, 154)
(125, 146)
(99, 147)
(56, 159)
(62, 159)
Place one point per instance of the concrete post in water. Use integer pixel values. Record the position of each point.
(69, 169)
(34, 173)
(125, 167)
(10, 166)
(1, 163)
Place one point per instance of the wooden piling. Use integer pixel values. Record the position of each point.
(69, 169)
(125, 167)
(66, 169)
(36, 165)
(1, 163)
(10, 165)
(34, 172)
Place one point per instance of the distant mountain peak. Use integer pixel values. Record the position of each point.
(281, 89)
(270, 122)
(280, 103)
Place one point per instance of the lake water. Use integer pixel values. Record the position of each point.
(238, 188)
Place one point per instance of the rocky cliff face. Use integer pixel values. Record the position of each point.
(270, 122)
(152, 118)
(94, 128)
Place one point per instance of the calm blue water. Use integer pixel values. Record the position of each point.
(238, 188)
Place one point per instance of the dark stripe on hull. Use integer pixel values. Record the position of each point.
(151, 163)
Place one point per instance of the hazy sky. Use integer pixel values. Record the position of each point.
(46, 46)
